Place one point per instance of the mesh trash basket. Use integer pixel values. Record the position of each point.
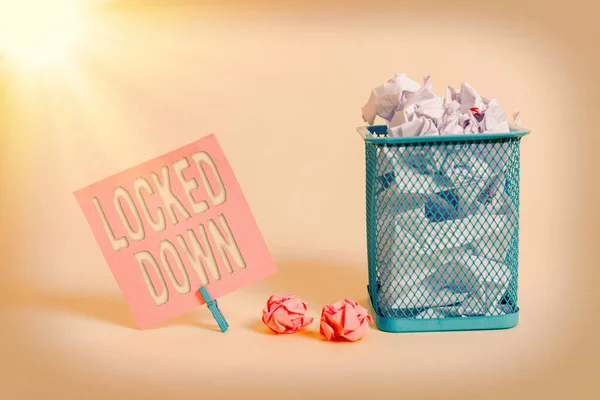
(442, 230)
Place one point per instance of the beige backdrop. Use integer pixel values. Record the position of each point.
(282, 86)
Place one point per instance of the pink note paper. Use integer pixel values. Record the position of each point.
(174, 224)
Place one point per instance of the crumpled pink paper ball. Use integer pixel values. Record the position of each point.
(285, 314)
(344, 320)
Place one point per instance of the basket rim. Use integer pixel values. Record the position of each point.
(366, 132)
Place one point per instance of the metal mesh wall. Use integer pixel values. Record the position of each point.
(442, 228)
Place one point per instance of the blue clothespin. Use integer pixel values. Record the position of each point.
(214, 309)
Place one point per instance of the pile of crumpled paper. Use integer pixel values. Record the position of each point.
(445, 220)
(414, 110)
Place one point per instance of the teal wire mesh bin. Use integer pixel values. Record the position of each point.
(442, 230)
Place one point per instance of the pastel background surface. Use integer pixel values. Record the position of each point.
(281, 84)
